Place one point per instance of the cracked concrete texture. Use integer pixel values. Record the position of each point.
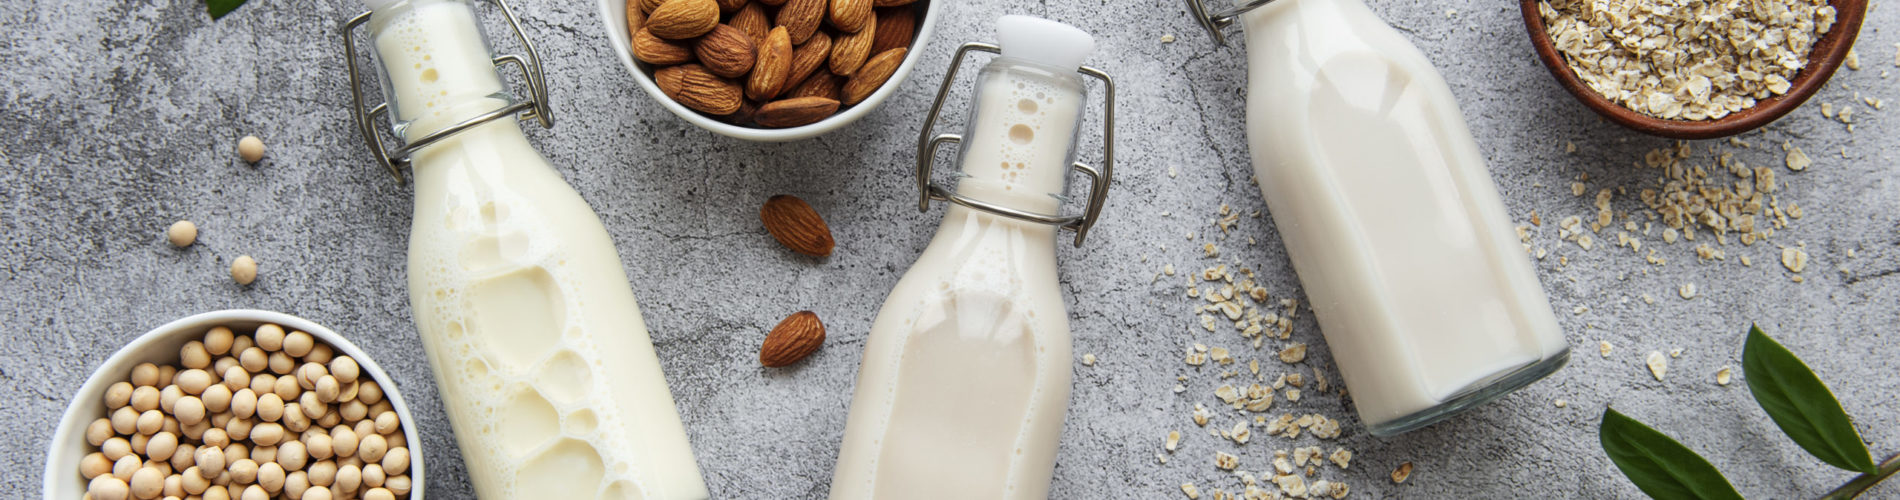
(122, 117)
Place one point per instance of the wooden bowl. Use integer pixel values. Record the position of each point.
(1826, 56)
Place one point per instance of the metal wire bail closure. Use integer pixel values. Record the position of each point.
(535, 107)
(1099, 179)
(1216, 20)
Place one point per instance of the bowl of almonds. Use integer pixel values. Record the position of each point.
(1693, 71)
(769, 70)
(239, 404)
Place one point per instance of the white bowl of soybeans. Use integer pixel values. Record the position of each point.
(279, 407)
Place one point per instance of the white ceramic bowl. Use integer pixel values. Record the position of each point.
(161, 345)
(613, 17)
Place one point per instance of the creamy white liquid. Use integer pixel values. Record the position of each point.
(1387, 210)
(966, 374)
(538, 348)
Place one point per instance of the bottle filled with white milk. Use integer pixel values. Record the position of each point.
(965, 376)
(538, 348)
(1426, 298)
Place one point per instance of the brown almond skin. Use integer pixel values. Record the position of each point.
(769, 75)
(895, 27)
(795, 111)
(850, 50)
(744, 116)
(794, 224)
(693, 86)
(659, 51)
(647, 6)
(795, 337)
(636, 17)
(773, 3)
(873, 75)
(801, 18)
(751, 19)
(819, 84)
(807, 58)
(726, 51)
(890, 3)
(683, 19)
(850, 16)
(730, 6)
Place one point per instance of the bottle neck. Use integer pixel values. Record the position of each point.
(436, 65)
(1020, 140)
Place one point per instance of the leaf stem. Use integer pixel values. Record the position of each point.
(1865, 481)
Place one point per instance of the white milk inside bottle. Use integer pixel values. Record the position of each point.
(965, 376)
(538, 348)
(1426, 298)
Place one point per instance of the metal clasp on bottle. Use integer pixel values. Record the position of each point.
(1098, 190)
(1215, 20)
(535, 108)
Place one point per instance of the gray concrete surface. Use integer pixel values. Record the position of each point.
(120, 117)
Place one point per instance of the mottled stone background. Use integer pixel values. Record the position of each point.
(120, 118)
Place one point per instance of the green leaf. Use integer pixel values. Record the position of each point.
(1801, 404)
(218, 8)
(1663, 468)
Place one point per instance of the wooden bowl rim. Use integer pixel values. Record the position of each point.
(1828, 53)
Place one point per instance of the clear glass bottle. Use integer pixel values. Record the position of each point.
(1426, 298)
(538, 348)
(965, 377)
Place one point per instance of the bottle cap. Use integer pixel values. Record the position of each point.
(1043, 41)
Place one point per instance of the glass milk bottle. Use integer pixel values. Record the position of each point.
(539, 352)
(1426, 298)
(965, 376)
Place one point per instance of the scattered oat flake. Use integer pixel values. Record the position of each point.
(1088, 359)
(1226, 461)
(1167, 38)
(1341, 457)
(1722, 376)
(1798, 160)
(1687, 290)
(1852, 61)
(1604, 348)
(1191, 491)
(1560, 403)
(1658, 364)
(1402, 473)
(1293, 353)
(1174, 440)
(1794, 258)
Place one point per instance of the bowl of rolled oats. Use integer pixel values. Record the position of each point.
(1692, 70)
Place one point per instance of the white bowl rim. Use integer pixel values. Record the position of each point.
(62, 466)
(617, 34)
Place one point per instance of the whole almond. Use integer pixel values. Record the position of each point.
(636, 18)
(660, 51)
(801, 18)
(726, 51)
(807, 58)
(795, 225)
(890, 3)
(731, 5)
(795, 111)
(873, 75)
(647, 6)
(751, 19)
(819, 84)
(850, 50)
(851, 15)
(795, 337)
(682, 19)
(895, 27)
(773, 3)
(769, 75)
(695, 87)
